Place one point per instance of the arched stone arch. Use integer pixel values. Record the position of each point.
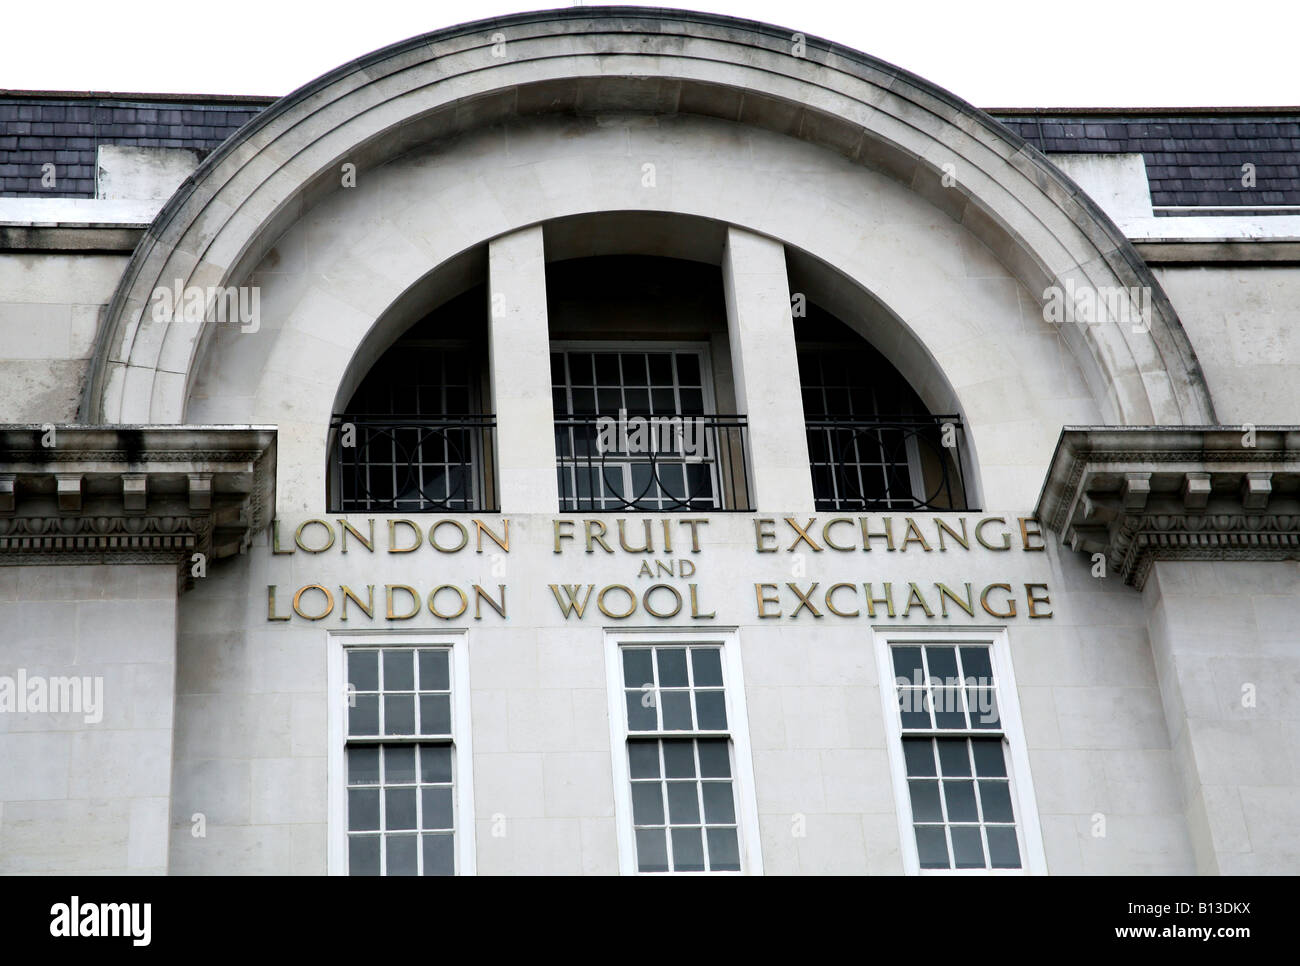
(226, 219)
(348, 276)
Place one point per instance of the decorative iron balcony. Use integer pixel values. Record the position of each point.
(412, 464)
(887, 463)
(656, 464)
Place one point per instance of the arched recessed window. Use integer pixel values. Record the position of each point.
(641, 387)
(872, 444)
(417, 434)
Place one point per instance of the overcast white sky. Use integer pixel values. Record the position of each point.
(994, 53)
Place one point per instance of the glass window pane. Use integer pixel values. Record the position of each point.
(960, 798)
(363, 672)
(399, 714)
(435, 714)
(643, 759)
(399, 765)
(948, 710)
(932, 847)
(435, 671)
(363, 854)
(692, 401)
(672, 667)
(679, 759)
(399, 670)
(439, 853)
(641, 711)
(706, 663)
(710, 711)
(608, 401)
(987, 716)
(636, 400)
(401, 854)
(953, 759)
(670, 481)
(907, 664)
(975, 663)
(580, 368)
(651, 850)
(363, 809)
(996, 798)
(688, 368)
(661, 368)
(989, 762)
(919, 755)
(715, 759)
(683, 803)
(688, 850)
(435, 763)
(363, 766)
(647, 803)
(676, 709)
(638, 670)
(399, 808)
(634, 369)
(606, 368)
(967, 847)
(925, 801)
(363, 714)
(719, 803)
(436, 807)
(1004, 851)
(914, 708)
(724, 850)
(943, 662)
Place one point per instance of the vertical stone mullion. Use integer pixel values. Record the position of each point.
(519, 350)
(766, 371)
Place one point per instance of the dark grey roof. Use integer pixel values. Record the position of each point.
(1193, 157)
(66, 129)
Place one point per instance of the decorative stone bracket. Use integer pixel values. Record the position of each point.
(1139, 494)
(133, 494)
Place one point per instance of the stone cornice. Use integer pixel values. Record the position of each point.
(1138, 494)
(133, 494)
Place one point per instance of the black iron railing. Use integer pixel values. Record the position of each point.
(412, 464)
(651, 463)
(887, 463)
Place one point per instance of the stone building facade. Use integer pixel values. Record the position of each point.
(625, 440)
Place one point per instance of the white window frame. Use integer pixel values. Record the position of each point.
(699, 349)
(462, 745)
(1028, 830)
(703, 349)
(733, 683)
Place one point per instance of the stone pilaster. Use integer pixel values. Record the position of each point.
(1206, 522)
(101, 528)
(766, 370)
(519, 345)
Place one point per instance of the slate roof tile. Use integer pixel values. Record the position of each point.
(1192, 157)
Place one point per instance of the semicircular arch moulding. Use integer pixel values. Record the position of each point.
(244, 197)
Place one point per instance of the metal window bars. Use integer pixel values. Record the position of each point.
(414, 464)
(887, 463)
(652, 463)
